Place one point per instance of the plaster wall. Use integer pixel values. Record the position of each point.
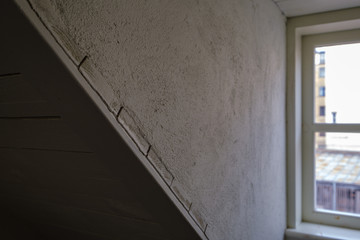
(200, 87)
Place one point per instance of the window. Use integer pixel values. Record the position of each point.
(331, 142)
(322, 57)
(302, 218)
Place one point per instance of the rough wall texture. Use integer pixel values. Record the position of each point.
(203, 83)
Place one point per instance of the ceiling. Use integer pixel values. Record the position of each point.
(292, 8)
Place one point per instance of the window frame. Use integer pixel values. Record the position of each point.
(310, 127)
(297, 27)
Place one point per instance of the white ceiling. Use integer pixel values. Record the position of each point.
(293, 8)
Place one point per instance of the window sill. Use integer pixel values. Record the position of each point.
(320, 232)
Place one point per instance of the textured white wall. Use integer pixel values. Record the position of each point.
(203, 83)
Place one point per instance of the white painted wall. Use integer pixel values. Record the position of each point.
(204, 82)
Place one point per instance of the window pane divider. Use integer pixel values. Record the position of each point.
(323, 127)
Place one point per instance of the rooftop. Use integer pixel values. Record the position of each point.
(338, 166)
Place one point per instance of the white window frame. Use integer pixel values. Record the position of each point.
(298, 27)
(309, 211)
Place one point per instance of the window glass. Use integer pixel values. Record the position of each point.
(337, 69)
(322, 57)
(337, 160)
(322, 111)
(321, 72)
